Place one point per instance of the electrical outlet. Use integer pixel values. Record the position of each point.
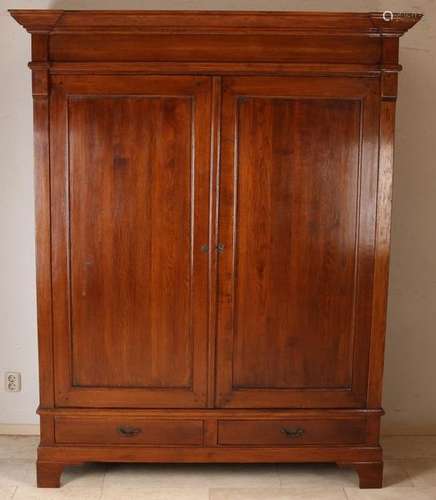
(13, 381)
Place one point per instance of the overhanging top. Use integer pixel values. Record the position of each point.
(248, 22)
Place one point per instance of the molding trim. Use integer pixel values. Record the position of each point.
(239, 22)
(213, 68)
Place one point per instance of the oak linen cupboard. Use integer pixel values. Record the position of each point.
(213, 209)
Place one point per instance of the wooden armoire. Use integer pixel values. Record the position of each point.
(213, 197)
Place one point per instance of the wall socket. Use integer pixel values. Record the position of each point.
(13, 381)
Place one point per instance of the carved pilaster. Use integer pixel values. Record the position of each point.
(39, 64)
(389, 86)
(40, 82)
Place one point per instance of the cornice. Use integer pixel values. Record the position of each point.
(392, 23)
(237, 22)
(37, 21)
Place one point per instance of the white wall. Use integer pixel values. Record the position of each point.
(17, 269)
(410, 373)
(410, 397)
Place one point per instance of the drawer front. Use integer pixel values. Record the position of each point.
(96, 430)
(291, 432)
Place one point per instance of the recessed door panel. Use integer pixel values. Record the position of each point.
(295, 276)
(131, 280)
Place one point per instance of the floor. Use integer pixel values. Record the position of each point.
(410, 474)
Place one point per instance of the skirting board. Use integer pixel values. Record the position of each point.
(19, 429)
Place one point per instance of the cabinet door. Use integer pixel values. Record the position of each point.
(297, 219)
(130, 203)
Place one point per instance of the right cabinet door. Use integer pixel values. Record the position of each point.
(297, 211)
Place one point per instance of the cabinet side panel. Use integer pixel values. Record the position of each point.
(43, 248)
(382, 249)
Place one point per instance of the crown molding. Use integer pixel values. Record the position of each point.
(392, 23)
(248, 22)
(37, 21)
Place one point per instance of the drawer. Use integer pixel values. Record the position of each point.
(153, 432)
(291, 432)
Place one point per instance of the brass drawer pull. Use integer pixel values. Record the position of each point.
(129, 431)
(292, 433)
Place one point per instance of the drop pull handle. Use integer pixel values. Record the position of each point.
(292, 433)
(127, 431)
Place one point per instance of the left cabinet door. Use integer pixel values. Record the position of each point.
(130, 175)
